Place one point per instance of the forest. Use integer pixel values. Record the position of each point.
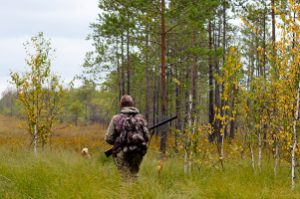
(229, 70)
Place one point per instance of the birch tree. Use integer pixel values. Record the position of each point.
(39, 91)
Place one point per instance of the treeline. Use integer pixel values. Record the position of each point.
(82, 106)
(171, 56)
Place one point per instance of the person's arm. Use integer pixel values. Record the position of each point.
(110, 134)
(146, 131)
(141, 117)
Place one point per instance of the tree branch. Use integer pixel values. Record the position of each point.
(175, 26)
(155, 5)
(145, 40)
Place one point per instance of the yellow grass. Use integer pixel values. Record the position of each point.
(65, 137)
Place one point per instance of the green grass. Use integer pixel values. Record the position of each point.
(65, 174)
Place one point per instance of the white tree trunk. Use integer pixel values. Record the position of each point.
(259, 146)
(223, 136)
(295, 138)
(35, 136)
(186, 155)
(192, 144)
(252, 157)
(276, 159)
(185, 161)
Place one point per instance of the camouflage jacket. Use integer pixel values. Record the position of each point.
(116, 124)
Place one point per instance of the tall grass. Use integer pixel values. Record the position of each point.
(63, 173)
(66, 174)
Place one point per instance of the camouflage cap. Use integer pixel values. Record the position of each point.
(126, 100)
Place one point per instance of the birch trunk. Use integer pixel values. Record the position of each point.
(276, 159)
(186, 160)
(192, 94)
(35, 135)
(186, 155)
(259, 147)
(192, 144)
(295, 138)
(223, 137)
(252, 157)
(223, 133)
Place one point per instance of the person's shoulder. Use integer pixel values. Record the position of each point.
(116, 117)
(141, 117)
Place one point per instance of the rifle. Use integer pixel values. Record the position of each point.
(109, 151)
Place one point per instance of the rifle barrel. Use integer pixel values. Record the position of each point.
(161, 123)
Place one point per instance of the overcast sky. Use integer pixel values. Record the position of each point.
(65, 22)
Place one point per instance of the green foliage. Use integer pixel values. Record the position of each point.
(76, 110)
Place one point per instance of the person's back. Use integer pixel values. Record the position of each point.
(130, 155)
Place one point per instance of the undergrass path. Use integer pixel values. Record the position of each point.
(66, 174)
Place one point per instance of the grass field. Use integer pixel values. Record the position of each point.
(67, 174)
(63, 173)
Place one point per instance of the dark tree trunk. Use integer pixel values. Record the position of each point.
(163, 78)
(217, 125)
(211, 92)
(223, 63)
(154, 97)
(193, 78)
(123, 73)
(187, 91)
(157, 105)
(119, 77)
(177, 100)
(147, 108)
(294, 32)
(128, 59)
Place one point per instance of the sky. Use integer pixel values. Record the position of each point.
(65, 22)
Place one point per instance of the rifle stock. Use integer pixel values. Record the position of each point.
(109, 151)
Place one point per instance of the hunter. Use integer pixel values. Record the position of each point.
(129, 134)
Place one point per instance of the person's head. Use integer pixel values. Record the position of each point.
(126, 101)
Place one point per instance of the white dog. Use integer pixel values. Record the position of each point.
(85, 152)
